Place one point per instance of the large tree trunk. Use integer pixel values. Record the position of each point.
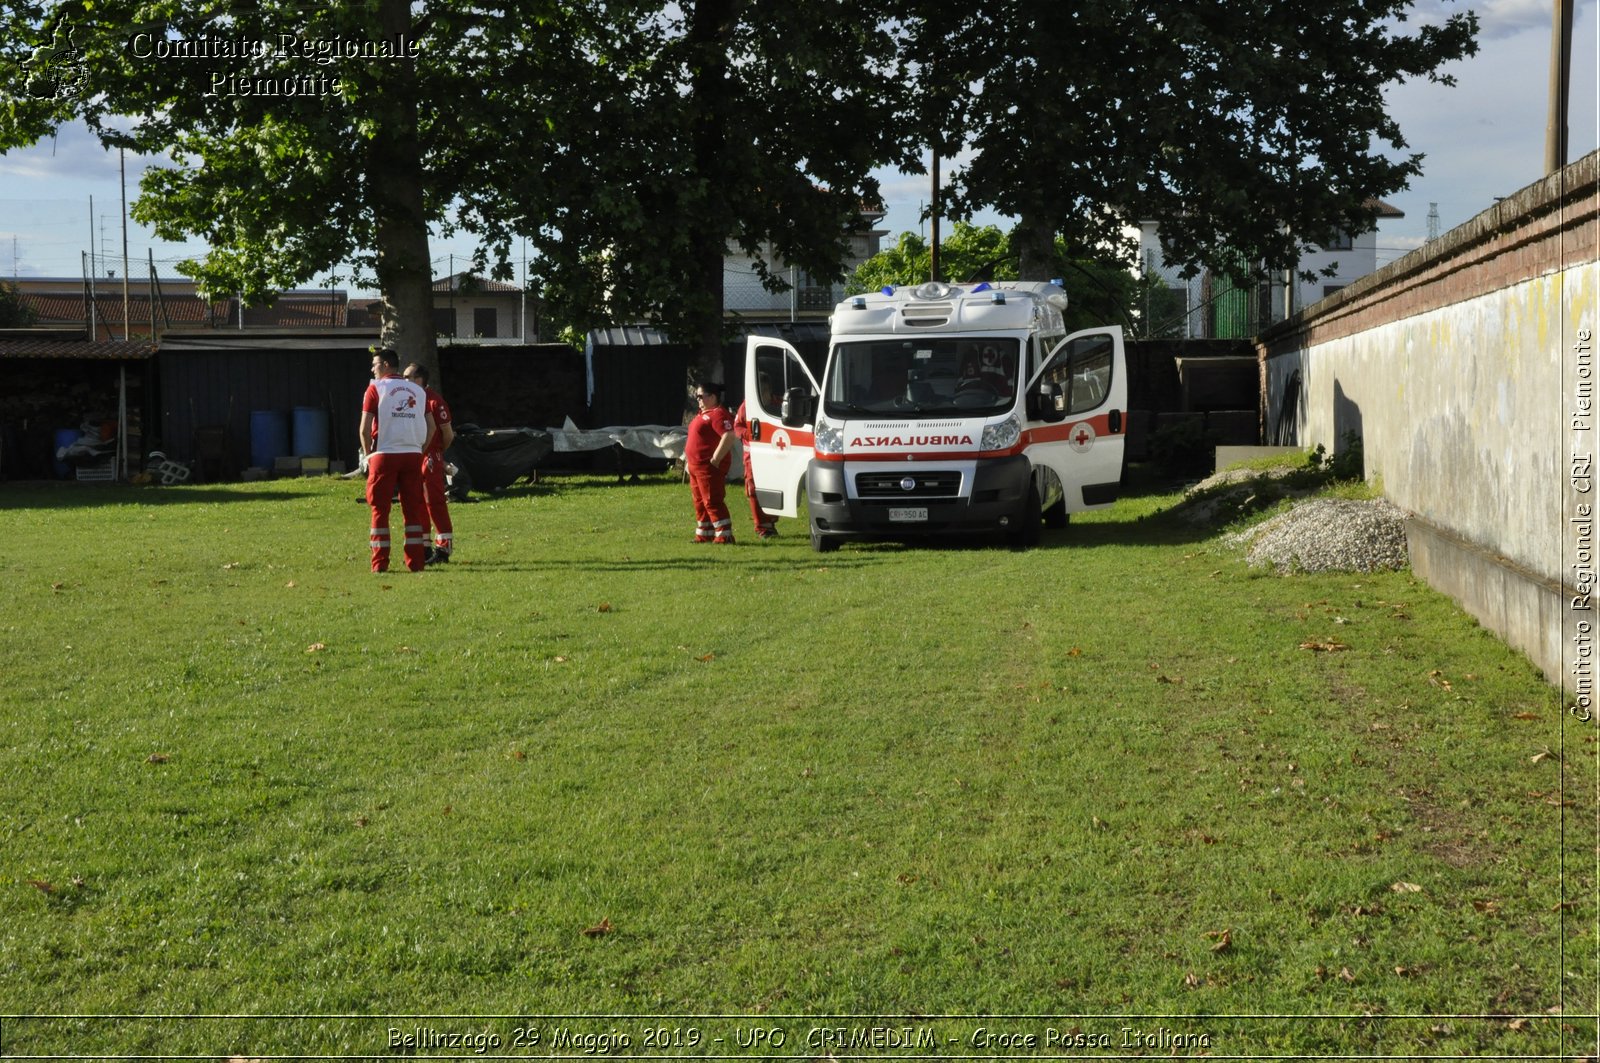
(395, 184)
(709, 26)
(1034, 240)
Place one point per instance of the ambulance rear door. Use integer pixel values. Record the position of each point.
(1077, 415)
(776, 378)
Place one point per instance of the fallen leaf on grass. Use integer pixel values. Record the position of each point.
(41, 885)
(1190, 980)
(560, 659)
(1406, 887)
(1331, 646)
(1437, 678)
(1526, 716)
(1224, 939)
(231, 565)
(517, 754)
(600, 929)
(316, 647)
(707, 657)
(289, 584)
(157, 758)
(1075, 652)
(603, 607)
(1486, 907)
(1517, 1024)
(1542, 755)
(1344, 972)
(57, 585)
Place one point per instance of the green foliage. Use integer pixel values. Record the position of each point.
(715, 125)
(1347, 462)
(239, 775)
(967, 253)
(1183, 447)
(1252, 126)
(14, 313)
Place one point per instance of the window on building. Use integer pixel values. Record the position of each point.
(444, 321)
(1341, 241)
(484, 323)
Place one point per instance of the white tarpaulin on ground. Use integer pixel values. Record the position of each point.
(651, 440)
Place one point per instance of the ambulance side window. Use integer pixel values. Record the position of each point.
(1083, 369)
(776, 373)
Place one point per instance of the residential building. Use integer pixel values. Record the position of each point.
(807, 298)
(1211, 305)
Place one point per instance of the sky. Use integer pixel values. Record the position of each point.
(1483, 139)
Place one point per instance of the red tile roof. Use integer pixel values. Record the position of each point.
(56, 348)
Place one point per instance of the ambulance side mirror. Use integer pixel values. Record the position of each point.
(796, 407)
(1048, 403)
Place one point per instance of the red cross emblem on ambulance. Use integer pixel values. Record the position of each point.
(1080, 437)
(780, 439)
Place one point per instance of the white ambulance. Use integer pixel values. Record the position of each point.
(942, 409)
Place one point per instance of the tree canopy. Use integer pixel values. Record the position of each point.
(632, 142)
(713, 124)
(1245, 127)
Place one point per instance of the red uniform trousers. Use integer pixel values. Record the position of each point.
(713, 522)
(385, 473)
(437, 504)
(765, 523)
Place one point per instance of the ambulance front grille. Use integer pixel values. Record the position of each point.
(942, 483)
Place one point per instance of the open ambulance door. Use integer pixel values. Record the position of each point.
(1078, 416)
(776, 378)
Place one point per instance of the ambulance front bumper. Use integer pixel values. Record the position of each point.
(872, 499)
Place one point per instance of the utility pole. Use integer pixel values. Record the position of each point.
(1433, 221)
(122, 169)
(933, 210)
(1555, 130)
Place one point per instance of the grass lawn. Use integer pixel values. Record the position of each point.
(591, 769)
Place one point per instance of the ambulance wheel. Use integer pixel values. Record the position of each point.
(1028, 531)
(823, 544)
(1057, 516)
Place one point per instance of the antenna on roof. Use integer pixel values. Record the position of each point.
(1433, 221)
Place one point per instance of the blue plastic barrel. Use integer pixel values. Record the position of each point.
(65, 437)
(269, 437)
(310, 432)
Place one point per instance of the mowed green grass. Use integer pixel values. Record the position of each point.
(591, 768)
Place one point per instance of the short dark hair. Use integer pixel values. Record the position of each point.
(713, 387)
(388, 356)
(417, 370)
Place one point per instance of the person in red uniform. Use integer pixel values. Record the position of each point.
(434, 495)
(396, 430)
(766, 524)
(707, 456)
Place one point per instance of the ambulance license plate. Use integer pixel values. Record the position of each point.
(907, 516)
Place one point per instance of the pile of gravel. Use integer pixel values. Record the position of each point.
(1329, 535)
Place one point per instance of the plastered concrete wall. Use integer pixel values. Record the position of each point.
(1457, 367)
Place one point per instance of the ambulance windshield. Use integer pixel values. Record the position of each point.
(966, 376)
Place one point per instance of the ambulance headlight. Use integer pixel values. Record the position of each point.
(1002, 435)
(829, 438)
